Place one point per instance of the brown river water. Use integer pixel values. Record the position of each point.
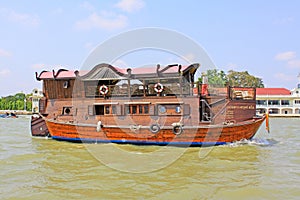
(267, 167)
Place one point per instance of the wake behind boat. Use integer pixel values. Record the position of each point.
(156, 106)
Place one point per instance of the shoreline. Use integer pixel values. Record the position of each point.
(17, 112)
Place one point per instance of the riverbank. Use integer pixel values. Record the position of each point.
(17, 112)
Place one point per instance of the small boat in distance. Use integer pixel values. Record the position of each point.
(144, 106)
(8, 115)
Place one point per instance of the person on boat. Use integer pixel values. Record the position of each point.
(204, 89)
(13, 115)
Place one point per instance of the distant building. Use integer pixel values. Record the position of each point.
(278, 101)
(36, 96)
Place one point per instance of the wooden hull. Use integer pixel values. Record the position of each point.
(141, 135)
(39, 127)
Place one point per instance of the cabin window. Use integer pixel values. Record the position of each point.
(162, 109)
(68, 110)
(99, 109)
(178, 109)
(66, 84)
(136, 109)
(105, 109)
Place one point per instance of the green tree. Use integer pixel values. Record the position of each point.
(216, 77)
(16, 102)
(243, 79)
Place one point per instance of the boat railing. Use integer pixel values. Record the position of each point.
(135, 90)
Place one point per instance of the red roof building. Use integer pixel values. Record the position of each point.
(278, 101)
(272, 91)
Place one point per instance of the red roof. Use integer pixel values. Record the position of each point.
(272, 91)
(62, 73)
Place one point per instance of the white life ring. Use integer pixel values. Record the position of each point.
(103, 89)
(158, 87)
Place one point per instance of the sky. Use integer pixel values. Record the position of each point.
(261, 37)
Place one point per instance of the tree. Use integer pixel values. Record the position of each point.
(16, 102)
(232, 78)
(216, 77)
(243, 79)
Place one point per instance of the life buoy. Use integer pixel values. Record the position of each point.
(158, 87)
(154, 128)
(177, 130)
(103, 89)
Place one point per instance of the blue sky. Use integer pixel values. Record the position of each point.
(262, 37)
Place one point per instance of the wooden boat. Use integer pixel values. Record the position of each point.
(146, 106)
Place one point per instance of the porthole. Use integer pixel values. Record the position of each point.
(67, 111)
(178, 109)
(162, 109)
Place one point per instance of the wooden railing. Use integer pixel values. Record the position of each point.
(138, 90)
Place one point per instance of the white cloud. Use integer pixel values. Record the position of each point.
(4, 72)
(285, 55)
(4, 53)
(20, 18)
(130, 5)
(294, 64)
(106, 20)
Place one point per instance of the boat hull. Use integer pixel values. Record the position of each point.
(139, 135)
(39, 127)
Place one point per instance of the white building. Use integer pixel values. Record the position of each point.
(278, 101)
(36, 96)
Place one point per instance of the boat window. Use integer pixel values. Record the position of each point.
(136, 109)
(146, 109)
(105, 109)
(68, 110)
(178, 109)
(114, 109)
(99, 109)
(162, 109)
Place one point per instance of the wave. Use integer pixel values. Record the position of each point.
(255, 142)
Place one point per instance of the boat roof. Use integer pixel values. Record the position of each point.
(272, 91)
(106, 71)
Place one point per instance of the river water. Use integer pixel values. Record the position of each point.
(268, 167)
